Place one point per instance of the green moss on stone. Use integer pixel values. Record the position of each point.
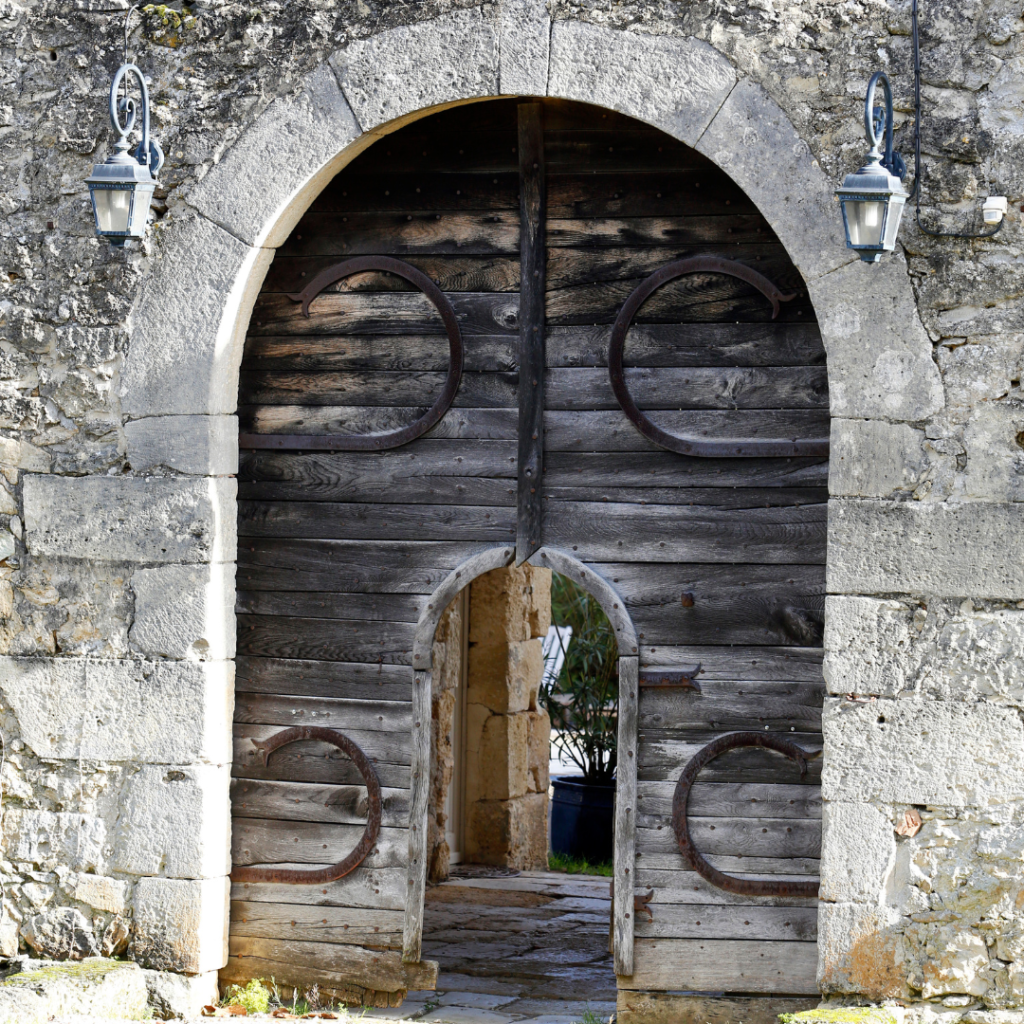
(93, 969)
(840, 1015)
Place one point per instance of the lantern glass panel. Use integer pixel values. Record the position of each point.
(864, 220)
(113, 208)
(892, 224)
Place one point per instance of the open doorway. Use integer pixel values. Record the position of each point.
(523, 711)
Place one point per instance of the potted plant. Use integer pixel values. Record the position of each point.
(582, 700)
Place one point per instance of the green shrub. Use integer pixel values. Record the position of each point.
(255, 997)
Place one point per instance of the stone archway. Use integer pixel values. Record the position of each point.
(179, 383)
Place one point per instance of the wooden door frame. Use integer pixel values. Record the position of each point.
(626, 773)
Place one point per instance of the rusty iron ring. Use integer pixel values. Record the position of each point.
(317, 876)
(392, 438)
(639, 419)
(681, 826)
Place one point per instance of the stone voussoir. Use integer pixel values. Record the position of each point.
(195, 445)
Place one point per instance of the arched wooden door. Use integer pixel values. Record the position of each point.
(720, 559)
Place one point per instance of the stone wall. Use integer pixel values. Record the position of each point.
(116, 498)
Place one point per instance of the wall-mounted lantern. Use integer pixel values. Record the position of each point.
(122, 187)
(873, 199)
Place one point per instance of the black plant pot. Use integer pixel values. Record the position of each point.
(582, 817)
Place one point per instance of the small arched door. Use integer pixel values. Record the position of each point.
(717, 549)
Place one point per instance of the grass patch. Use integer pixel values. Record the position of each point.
(577, 865)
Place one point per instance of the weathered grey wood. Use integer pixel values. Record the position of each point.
(723, 965)
(387, 313)
(332, 520)
(396, 567)
(532, 258)
(691, 387)
(326, 639)
(664, 755)
(412, 929)
(718, 799)
(610, 531)
(693, 921)
(672, 886)
(477, 565)
(304, 801)
(347, 926)
(317, 605)
(351, 680)
(414, 389)
(266, 841)
(721, 707)
(789, 664)
(625, 815)
(361, 715)
(671, 1008)
(738, 837)
(373, 888)
(568, 565)
(377, 970)
(619, 231)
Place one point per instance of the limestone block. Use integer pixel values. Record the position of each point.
(101, 892)
(17, 454)
(412, 67)
(95, 989)
(190, 320)
(196, 445)
(523, 48)
(500, 606)
(880, 363)
(51, 839)
(970, 549)
(512, 833)
(995, 455)
(181, 925)
(539, 742)
(919, 751)
(174, 822)
(174, 996)
(859, 952)
(185, 611)
(283, 159)
(170, 519)
(981, 371)
(61, 933)
(540, 600)
(867, 645)
(502, 762)
(673, 83)
(858, 853)
(505, 677)
(148, 712)
(875, 459)
(754, 142)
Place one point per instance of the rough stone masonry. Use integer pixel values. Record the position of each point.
(116, 574)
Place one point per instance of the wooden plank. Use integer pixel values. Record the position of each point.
(305, 801)
(311, 678)
(625, 816)
(388, 313)
(342, 965)
(335, 520)
(672, 886)
(606, 531)
(693, 387)
(532, 216)
(263, 841)
(723, 799)
(350, 926)
(721, 707)
(413, 389)
(394, 567)
(402, 191)
(583, 431)
(724, 965)
(788, 664)
(416, 854)
(488, 423)
(325, 639)
(376, 352)
(693, 921)
(663, 756)
(316, 605)
(738, 837)
(362, 715)
(590, 232)
(672, 1008)
(373, 888)
(775, 343)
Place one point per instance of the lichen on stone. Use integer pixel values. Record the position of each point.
(840, 1015)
